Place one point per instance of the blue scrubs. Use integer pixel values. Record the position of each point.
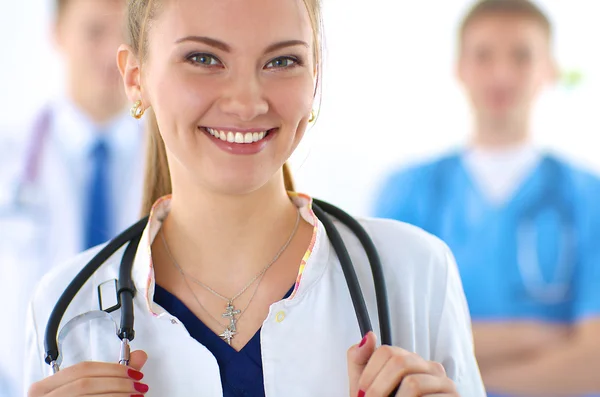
(553, 219)
(241, 372)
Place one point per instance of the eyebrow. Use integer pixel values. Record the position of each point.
(226, 48)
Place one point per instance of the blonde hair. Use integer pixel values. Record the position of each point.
(157, 179)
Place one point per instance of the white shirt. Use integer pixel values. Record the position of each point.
(304, 338)
(498, 173)
(33, 238)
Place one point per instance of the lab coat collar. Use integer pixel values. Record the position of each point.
(312, 266)
(76, 132)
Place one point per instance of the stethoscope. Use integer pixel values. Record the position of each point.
(552, 199)
(126, 288)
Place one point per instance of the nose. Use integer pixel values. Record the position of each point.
(244, 97)
(504, 71)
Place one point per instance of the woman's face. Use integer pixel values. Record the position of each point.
(231, 83)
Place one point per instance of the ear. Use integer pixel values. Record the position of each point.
(130, 69)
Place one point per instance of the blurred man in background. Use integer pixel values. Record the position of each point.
(62, 176)
(524, 225)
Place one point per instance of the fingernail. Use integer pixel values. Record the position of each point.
(142, 388)
(362, 343)
(361, 393)
(137, 395)
(135, 375)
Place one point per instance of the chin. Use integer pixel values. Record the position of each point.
(237, 183)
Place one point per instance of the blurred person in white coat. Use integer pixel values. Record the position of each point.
(71, 178)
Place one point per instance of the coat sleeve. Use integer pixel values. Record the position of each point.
(453, 344)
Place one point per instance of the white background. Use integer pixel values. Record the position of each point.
(390, 96)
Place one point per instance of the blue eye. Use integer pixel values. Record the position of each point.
(282, 63)
(204, 59)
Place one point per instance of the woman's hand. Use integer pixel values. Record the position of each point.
(95, 378)
(378, 372)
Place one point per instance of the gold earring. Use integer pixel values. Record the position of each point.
(312, 116)
(136, 110)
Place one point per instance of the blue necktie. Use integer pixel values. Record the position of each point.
(97, 222)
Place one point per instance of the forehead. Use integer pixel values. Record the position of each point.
(508, 30)
(250, 21)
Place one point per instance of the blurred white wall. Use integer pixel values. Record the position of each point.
(389, 91)
(30, 70)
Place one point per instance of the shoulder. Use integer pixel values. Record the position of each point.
(584, 183)
(417, 172)
(13, 148)
(408, 254)
(397, 240)
(405, 193)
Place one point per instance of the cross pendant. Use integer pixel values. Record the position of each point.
(230, 313)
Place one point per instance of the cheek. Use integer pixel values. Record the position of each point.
(292, 98)
(181, 94)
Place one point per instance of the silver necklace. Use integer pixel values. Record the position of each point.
(231, 312)
(230, 329)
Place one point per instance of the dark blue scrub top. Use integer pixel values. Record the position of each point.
(241, 372)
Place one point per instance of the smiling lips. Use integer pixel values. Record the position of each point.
(238, 137)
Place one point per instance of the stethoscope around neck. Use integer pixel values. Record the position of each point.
(126, 288)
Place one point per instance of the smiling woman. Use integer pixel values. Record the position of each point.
(286, 64)
(235, 276)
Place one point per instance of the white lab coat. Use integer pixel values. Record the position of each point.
(304, 337)
(34, 239)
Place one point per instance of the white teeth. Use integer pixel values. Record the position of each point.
(237, 137)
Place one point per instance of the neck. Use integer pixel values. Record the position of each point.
(216, 236)
(493, 134)
(98, 108)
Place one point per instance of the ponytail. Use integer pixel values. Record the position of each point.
(157, 179)
(288, 181)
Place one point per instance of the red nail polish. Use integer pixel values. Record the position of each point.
(135, 375)
(142, 388)
(137, 395)
(362, 343)
(361, 393)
